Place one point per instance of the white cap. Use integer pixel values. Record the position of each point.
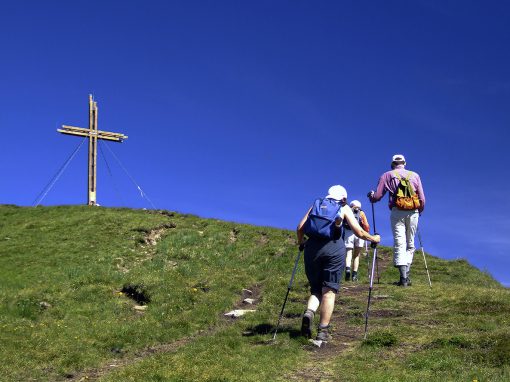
(337, 193)
(355, 203)
(399, 158)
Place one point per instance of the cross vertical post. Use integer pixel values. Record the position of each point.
(93, 134)
(92, 168)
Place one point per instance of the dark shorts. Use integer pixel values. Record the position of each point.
(324, 264)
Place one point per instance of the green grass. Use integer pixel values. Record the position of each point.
(62, 313)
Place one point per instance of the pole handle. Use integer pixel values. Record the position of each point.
(372, 244)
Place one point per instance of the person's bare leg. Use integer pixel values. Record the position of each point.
(348, 259)
(355, 263)
(355, 257)
(327, 305)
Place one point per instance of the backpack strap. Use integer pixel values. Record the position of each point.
(411, 189)
(339, 207)
(397, 175)
(407, 178)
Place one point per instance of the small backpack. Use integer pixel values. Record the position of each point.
(360, 221)
(357, 216)
(363, 220)
(405, 197)
(321, 220)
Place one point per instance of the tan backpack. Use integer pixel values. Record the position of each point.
(405, 197)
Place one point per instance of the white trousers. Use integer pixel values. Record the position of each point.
(403, 227)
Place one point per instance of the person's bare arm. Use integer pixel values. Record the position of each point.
(356, 228)
(300, 228)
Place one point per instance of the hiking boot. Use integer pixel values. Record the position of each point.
(324, 334)
(409, 282)
(306, 324)
(354, 276)
(347, 274)
(402, 282)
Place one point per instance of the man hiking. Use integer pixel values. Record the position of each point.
(354, 244)
(406, 202)
(325, 255)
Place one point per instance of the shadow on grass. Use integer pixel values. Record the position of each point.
(137, 293)
(266, 328)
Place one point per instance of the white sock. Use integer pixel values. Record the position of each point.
(313, 303)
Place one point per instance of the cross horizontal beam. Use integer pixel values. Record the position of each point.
(80, 131)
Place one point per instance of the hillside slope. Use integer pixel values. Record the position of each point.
(120, 295)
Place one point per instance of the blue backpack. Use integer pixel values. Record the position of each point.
(321, 220)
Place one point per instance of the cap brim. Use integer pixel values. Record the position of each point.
(335, 198)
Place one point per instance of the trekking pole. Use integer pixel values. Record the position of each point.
(368, 259)
(424, 259)
(377, 268)
(375, 230)
(288, 290)
(370, 289)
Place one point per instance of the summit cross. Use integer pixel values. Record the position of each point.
(93, 134)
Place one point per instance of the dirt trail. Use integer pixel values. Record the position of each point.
(351, 303)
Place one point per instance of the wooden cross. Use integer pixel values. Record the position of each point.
(93, 134)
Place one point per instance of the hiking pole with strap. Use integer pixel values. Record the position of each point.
(376, 261)
(288, 290)
(424, 259)
(373, 245)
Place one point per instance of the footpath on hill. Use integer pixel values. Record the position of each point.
(347, 322)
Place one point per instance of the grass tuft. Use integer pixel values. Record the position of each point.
(380, 338)
(456, 342)
(494, 350)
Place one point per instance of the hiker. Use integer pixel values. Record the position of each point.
(325, 255)
(354, 244)
(406, 202)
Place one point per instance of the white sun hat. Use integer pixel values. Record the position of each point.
(337, 192)
(355, 203)
(398, 158)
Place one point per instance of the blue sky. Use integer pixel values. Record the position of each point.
(248, 110)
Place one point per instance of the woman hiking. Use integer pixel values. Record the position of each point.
(325, 255)
(353, 244)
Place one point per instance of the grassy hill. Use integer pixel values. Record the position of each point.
(131, 295)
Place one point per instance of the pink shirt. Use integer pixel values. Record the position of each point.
(389, 182)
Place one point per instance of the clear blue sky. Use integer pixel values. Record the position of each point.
(248, 110)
